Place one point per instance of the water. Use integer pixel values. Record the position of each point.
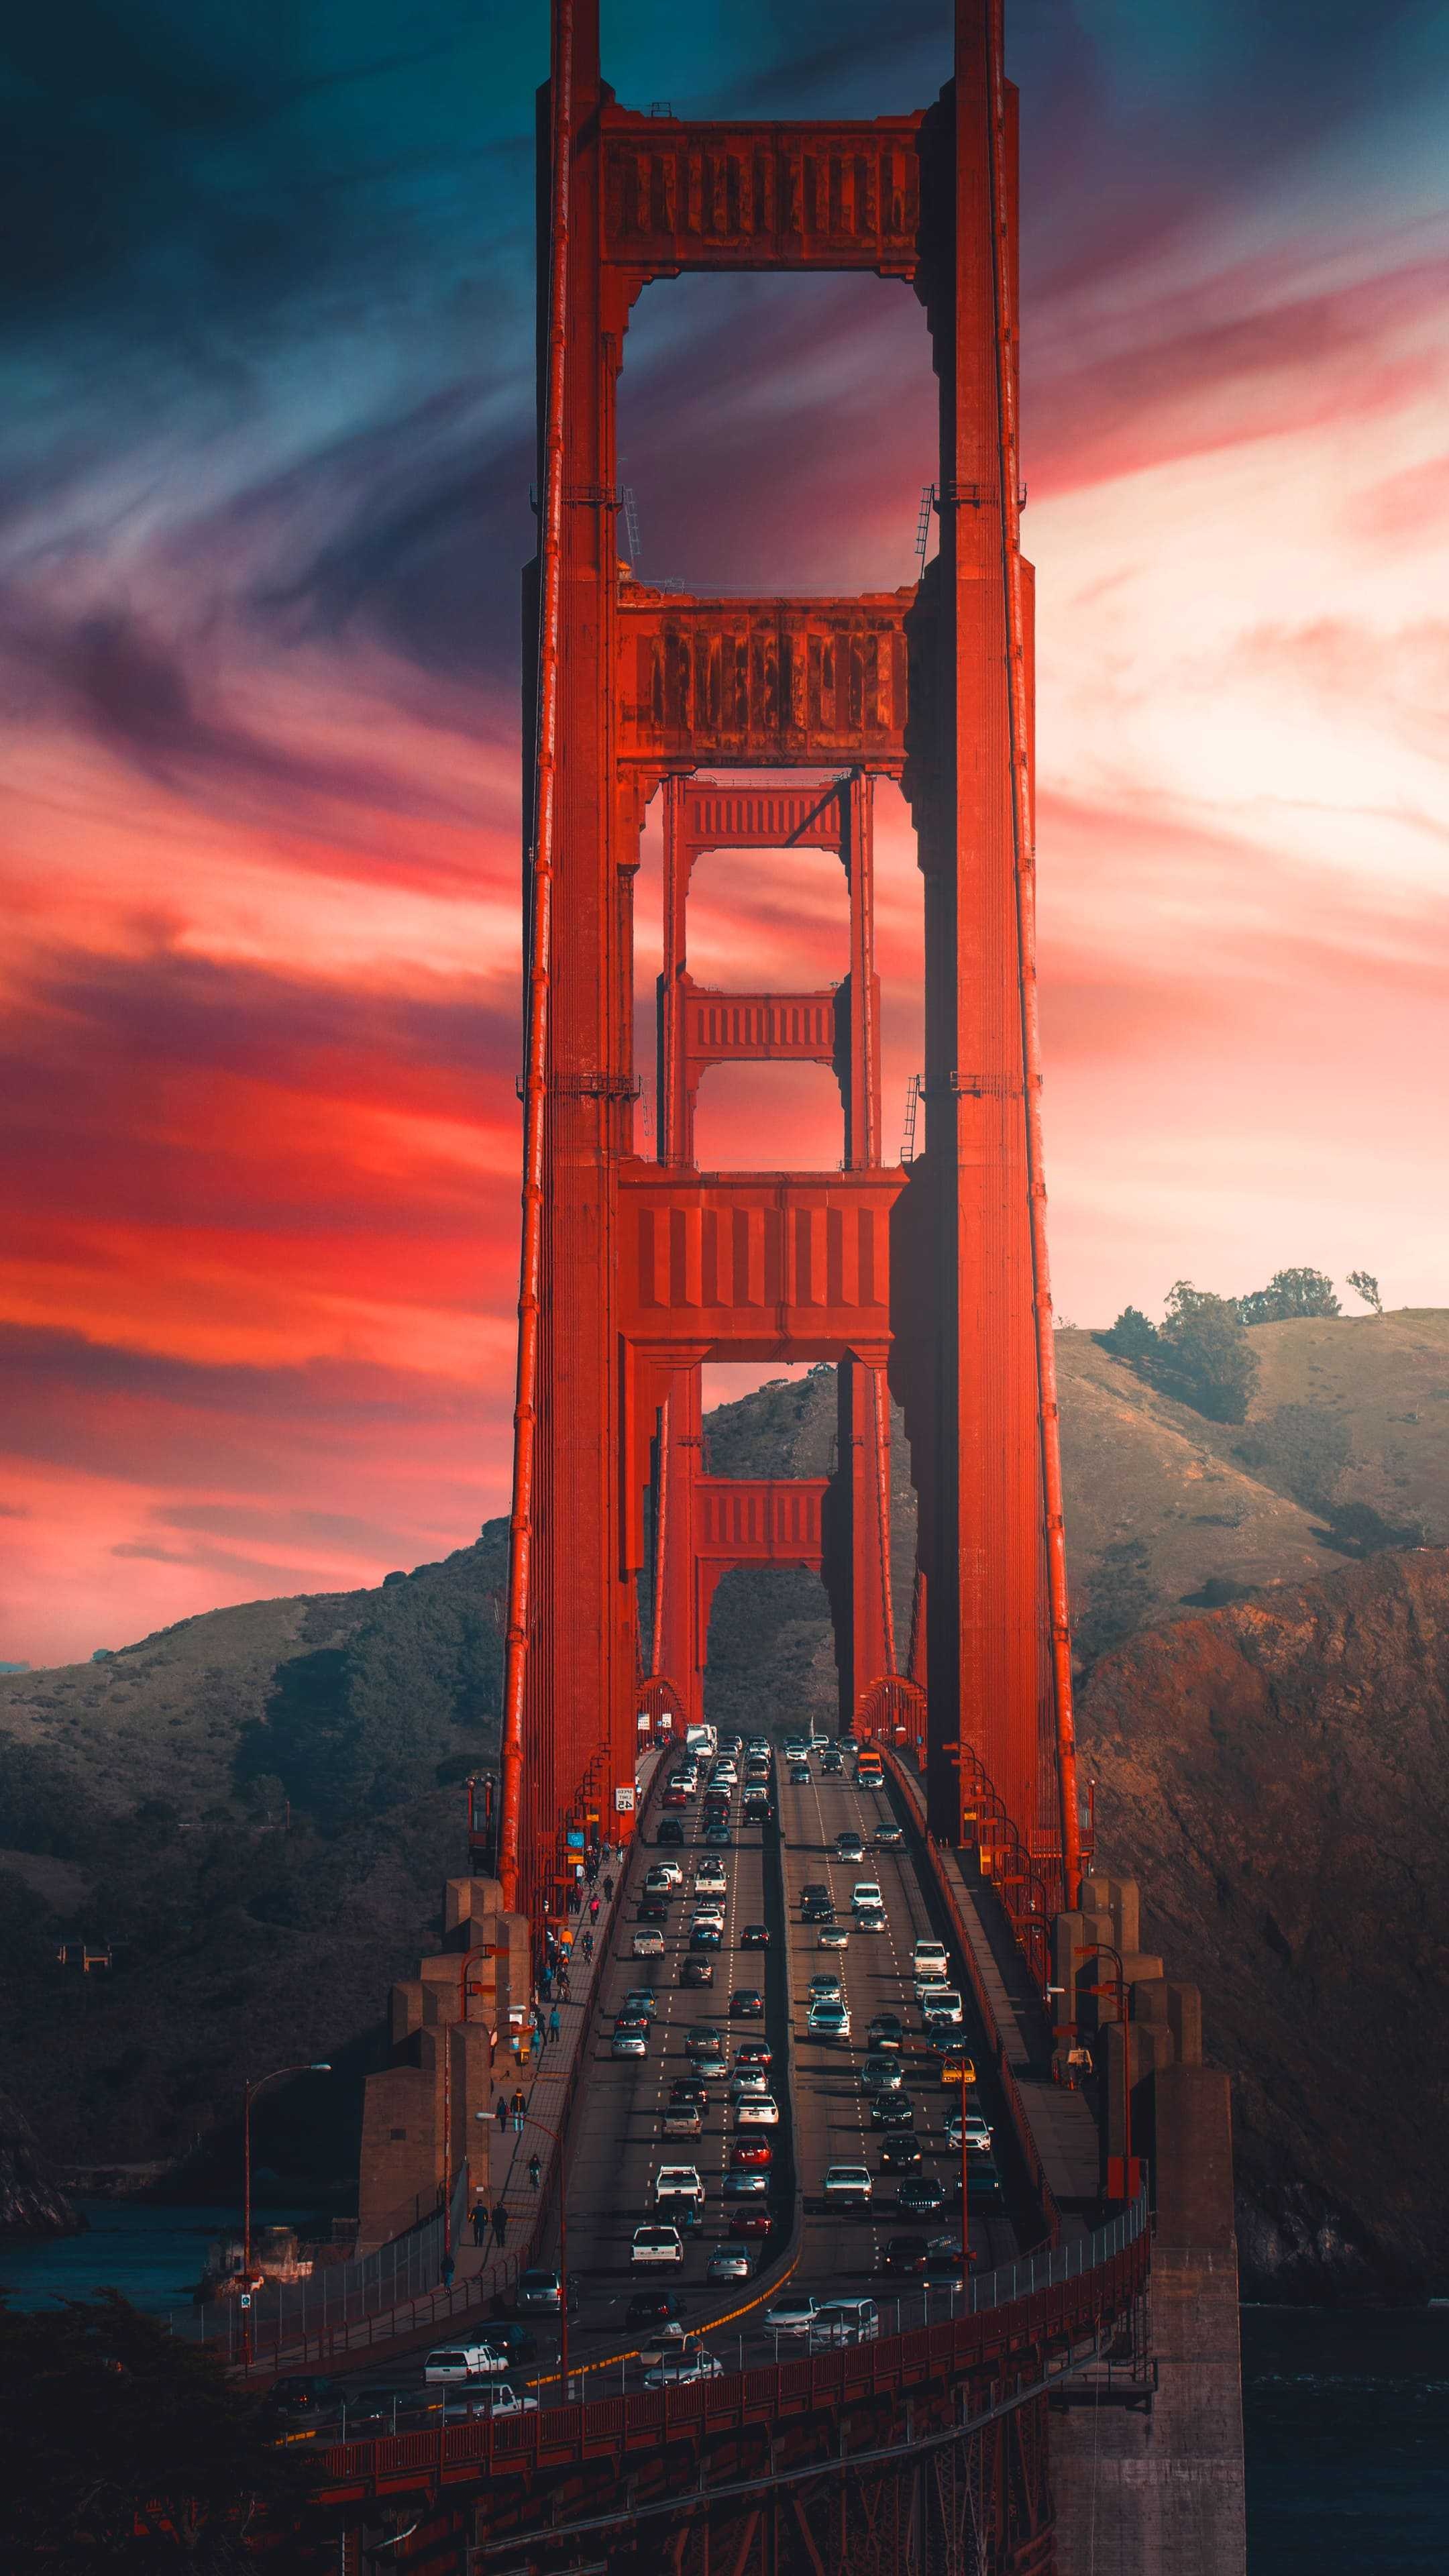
(1347, 2424)
(1346, 2410)
(153, 2255)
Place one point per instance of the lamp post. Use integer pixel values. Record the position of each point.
(1118, 1987)
(318, 2066)
(563, 2250)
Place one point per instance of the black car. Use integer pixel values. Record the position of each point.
(302, 2395)
(945, 2272)
(697, 1972)
(755, 1936)
(653, 2308)
(653, 1909)
(903, 2254)
(747, 2005)
(816, 1910)
(813, 1889)
(705, 1936)
(900, 2154)
(886, 2031)
(386, 2410)
(684, 2094)
(892, 2111)
(671, 1830)
(920, 2196)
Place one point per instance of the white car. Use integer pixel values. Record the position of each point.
(685, 2369)
(865, 1893)
(930, 1981)
(748, 2086)
(761, 2111)
(709, 1913)
(661, 1875)
(454, 2363)
(648, 1944)
(834, 1936)
(678, 2182)
(844, 2321)
(709, 1879)
(481, 2405)
(656, 2244)
(791, 2316)
(941, 2004)
(828, 2021)
(848, 2184)
(930, 1955)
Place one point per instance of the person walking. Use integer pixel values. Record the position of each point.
(447, 2268)
(534, 2170)
(593, 1909)
(480, 2221)
(554, 2023)
(563, 1986)
(519, 2106)
(501, 2115)
(608, 1891)
(500, 2226)
(587, 1945)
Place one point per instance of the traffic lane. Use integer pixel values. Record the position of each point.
(846, 2249)
(624, 2146)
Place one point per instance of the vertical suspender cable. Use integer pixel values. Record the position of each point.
(535, 1095)
(1025, 857)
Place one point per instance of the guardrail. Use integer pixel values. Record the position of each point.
(1058, 2297)
(1011, 2090)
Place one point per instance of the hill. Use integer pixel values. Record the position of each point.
(255, 1807)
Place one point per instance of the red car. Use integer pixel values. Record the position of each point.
(673, 1798)
(750, 2222)
(752, 2151)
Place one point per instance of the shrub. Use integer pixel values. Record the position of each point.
(1289, 1295)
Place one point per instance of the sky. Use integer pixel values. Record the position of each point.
(265, 456)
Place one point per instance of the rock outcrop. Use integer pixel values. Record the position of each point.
(30, 2203)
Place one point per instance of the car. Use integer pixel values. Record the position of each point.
(662, 1875)
(903, 2254)
(825, 1988)
(834, 1936)
(832, 1766)
(653, 2308)
(696, 1972)
(725, 1771)
(482, 2405)
(812, 1888)
(681, 2182)
(647, 1945)
(942, 2004)
(708, 1909)
(887, 2030)
(681, 2120)
(892, 2111)
(652, 1909)
(799, 1775)
(641, 2003)
(945, 2272)
(381, 2410)
(729, 2263)
(673, 1796)
(670, 1830)
(745, 2186)
(920, 2196)
(929, 1955)
(761, 2111)
(631, 2041)
(540, 2292)
(849, 1846)
(983, 2180)
(711, 2063)
(880, 2075)
(888, 1837)
(718, 1835)
(848, 2186)
(303, 2394)
(655, 2243)
(866, 1892)
(872, 1918)
(827, 2021)
(844, 2321)
(747, 2084)
(455, 2362)
(709, 1879)
(685, 2090)
(751, 2218)
(685, 2369)
(900, 2154)
(957, 2067)
(928, 1981)
(752, 2151)
(793, 2315)
(755, 1936)
(747, 2004)
(816, 1909)
(753, 2055)
(977, 2129)
(703, 2039)
(705, 1934)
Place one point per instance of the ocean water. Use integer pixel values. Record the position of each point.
(1346, 2419)
(1346, 2411)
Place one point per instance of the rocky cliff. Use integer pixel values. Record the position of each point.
(30, 2202)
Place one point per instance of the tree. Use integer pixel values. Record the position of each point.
(1203, 1356)
(129, 2450)
(1289, 1295)
(1132, 1337)
(1364, 1284)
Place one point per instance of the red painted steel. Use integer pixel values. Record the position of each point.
(636, 1274)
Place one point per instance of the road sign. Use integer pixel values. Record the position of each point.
(624, 1800)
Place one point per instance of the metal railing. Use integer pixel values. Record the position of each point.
(402, 2273)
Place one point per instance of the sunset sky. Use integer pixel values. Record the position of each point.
(265, 458)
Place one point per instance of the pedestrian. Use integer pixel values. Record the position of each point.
(519, 2106)
(447, 2268)
(587, 1945)
(480, 2221)
(501, 2115)
(563, 1986)
(593, 1909)
(546, 1981)
(573, 1899)
(554, 2023)
(608, 1891)
(500, 2225)
(534, 2170)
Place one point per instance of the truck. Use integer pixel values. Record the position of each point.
(702, 1741)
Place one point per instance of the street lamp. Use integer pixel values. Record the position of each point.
(318, 2066)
